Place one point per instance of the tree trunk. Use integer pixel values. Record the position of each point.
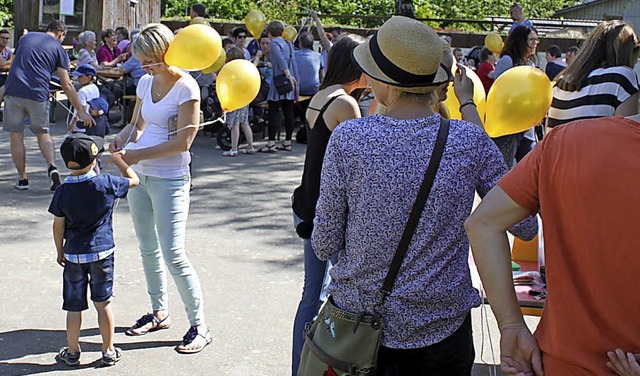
(405, 8)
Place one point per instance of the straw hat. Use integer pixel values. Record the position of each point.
(404, 53)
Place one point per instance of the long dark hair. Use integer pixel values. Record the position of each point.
(340, 68)
(517, 44)
(611, 44)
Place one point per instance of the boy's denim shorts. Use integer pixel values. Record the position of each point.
(98, 275)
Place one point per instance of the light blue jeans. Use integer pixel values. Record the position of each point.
(159, 209)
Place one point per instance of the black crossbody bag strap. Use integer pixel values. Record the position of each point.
(416, 211)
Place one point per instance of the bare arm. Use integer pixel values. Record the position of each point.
(342, 109)
(463, 88)
(119, 59)
(124, 168)
(188, 117)
(131, 132)
(58, 238)
(628, 107)
(326, 43)
(72, 94)
(486, 229)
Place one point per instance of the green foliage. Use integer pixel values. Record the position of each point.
(6, 13)
(285, 10)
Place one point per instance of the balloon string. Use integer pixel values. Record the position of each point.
(200, 126)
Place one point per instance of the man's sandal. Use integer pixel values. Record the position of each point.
(194, 337)
(141, 327)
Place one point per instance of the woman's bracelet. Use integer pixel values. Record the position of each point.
(467, 102)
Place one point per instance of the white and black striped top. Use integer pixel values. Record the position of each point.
(605, 90)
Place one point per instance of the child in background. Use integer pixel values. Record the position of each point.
(238, 118)
(99, 110)
(88, 91)
(83, 236)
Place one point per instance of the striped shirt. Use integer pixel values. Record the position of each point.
(605, 90)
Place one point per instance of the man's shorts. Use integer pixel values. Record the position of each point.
(16, 108)
(239, 116)
(98, 275)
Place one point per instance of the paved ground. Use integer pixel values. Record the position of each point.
(239, 238)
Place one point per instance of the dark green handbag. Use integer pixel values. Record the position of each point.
(341, 343)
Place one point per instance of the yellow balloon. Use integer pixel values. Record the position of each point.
(479, 97)
(195, 47)
(289, 33)
(238, 84)
(218, 63)
(494, 43)
(255, 22)
(199, 20)
(517, 100)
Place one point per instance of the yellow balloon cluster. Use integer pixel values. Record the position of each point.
(479, 97)
(289, 33)
(238, 84)
(217, 64)
(518, 100)
(195, 47)
(255, 22)
(494, 43)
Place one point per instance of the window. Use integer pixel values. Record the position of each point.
(50, 10)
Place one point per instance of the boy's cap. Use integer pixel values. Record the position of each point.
(99, 104)
(79, 150)
(85, 70)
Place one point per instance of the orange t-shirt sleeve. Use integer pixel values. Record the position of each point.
(522, 183)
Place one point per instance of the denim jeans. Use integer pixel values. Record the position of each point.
(315, 282)
(159, 209)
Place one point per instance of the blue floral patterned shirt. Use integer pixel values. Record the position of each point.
(371, 175)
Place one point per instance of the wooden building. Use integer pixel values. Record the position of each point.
(95, 15)
(596, 9)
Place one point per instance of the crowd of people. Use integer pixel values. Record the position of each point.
(361, 176)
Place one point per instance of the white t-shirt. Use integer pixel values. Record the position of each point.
(85, 94)
(156, 116)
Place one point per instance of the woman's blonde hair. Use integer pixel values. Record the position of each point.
(153, 42)
(611, 44)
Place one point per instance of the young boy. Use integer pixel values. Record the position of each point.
(88, 91)
(83, 235)
(99, 110)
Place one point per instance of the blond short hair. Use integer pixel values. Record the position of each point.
(153, 42)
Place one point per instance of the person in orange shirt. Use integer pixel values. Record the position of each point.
(581, 179)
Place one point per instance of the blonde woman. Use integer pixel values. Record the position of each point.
(157, 148)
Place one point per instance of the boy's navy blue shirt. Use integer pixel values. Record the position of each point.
(86, 202)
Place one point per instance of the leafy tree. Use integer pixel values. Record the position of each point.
(286, 10)
(6, 13)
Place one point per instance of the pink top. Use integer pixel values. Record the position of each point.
(105, 54)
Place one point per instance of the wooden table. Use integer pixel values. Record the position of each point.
(529, 305)
(113, 73)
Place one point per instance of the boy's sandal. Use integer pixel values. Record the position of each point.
(268, 149)
(284, 147)
(194, 337)
(248, 151)
(142, 327)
